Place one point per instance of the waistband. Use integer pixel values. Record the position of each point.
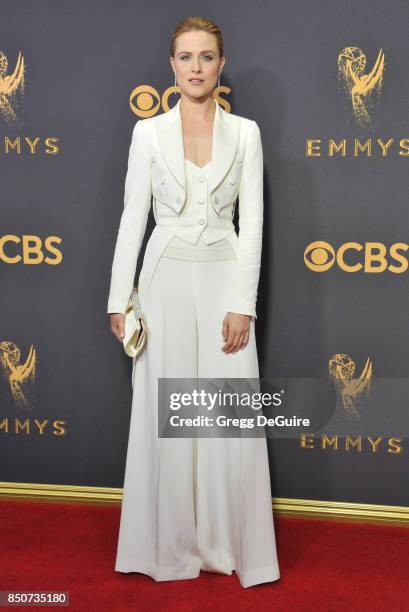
(201, 251)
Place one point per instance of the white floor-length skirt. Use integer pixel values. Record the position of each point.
(192, 504)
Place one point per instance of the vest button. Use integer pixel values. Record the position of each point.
(163, 181)
(202, 221)
(216, 200)
(178, 199)
(153, 160)
(201, 201)
(239, 159)
(231, 180)
(201, 178)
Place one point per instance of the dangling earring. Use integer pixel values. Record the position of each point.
(218, 81)
(173, 89)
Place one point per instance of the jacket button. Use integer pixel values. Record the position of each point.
(178, 199)
(202, 221)
(201, 201)
(216, 200)
(201, 178)
(232, 181)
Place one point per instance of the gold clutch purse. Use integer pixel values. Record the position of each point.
(135, 337)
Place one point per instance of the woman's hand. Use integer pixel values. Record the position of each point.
(236, 329)
(118, 325)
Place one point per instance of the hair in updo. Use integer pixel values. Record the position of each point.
(197, 23)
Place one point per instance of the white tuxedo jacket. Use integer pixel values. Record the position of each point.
(156, 174)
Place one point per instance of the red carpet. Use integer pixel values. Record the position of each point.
(324, 566)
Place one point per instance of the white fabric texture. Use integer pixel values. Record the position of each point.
(201, 251)
(195, 503)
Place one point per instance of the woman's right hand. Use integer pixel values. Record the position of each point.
(118, 325)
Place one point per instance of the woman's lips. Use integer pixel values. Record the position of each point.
(196, 81)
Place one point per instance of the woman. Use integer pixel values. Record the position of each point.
(192, 504)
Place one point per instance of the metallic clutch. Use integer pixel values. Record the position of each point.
(135, 337)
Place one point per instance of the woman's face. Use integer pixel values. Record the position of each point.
(196, 63)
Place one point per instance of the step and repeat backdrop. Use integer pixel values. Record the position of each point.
(328, 86)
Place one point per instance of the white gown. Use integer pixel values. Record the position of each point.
(192, 504)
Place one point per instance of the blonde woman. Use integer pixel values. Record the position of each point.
(192, 504)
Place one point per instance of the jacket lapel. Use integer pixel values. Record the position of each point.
(224, 144)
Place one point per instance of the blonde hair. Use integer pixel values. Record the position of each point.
(190, 24)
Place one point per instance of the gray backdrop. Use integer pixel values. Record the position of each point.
(82, 61)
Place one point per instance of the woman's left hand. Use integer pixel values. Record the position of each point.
(236, 330)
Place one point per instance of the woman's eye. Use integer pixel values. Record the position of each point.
(207, 57)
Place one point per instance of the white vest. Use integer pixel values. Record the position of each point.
(221, 250)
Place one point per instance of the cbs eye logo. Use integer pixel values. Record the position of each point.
(319, 256)
(145, 100)
(371, 257)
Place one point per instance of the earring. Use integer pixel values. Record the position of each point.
(173, 89)
(218, 81)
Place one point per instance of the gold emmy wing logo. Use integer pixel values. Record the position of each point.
(18, 375)
(341, 369)
(359, 86)
(10, 86)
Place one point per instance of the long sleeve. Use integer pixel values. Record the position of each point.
(137, 203)
(243, 294)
